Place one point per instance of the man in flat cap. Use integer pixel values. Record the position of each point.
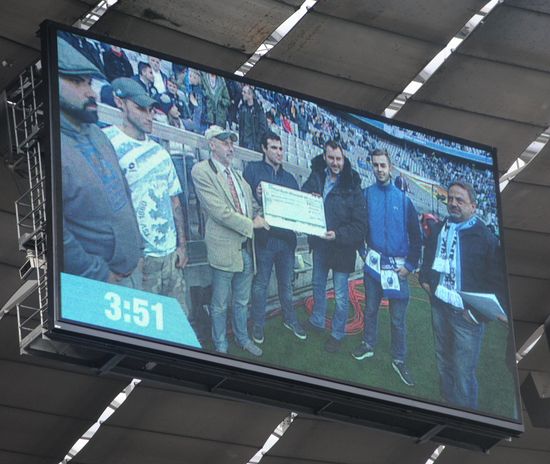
(100, 233)
(154, 188)
(227, 200)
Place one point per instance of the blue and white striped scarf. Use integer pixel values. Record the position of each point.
(447, 262)
(383, 269)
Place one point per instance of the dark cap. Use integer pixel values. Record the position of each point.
(73, 63)
(124, 87)
(219, 133)
(165, 103)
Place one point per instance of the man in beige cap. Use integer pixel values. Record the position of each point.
(227, 200)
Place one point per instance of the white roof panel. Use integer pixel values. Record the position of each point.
(490, 88)
(354, 52)
(512, 35)
(431, 20)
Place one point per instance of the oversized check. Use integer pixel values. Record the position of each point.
(291, 209)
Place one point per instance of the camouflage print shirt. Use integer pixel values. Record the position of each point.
(152, 179)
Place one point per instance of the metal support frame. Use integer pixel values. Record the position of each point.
(26, 124)
(431, 433)
(111, 364)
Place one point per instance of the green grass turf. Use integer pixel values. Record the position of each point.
(496, 383)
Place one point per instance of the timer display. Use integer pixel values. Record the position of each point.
(125, 310)
(137, 311)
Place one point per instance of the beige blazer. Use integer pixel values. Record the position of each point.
(226, 229)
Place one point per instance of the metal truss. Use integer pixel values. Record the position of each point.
(26, 119)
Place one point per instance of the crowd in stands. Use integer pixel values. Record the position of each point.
(194, 100)
(423, 137)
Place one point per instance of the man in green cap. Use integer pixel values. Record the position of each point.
(100, 233)
(154, 188)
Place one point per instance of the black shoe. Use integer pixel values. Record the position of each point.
(332, 345)
(403, 372)
(313, 328)
(296, 329)
(258, 334)
(363, 351)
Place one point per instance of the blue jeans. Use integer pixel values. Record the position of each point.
(341, 292)
(238, 283)
(276, 252)
(398, 317)
(457, 348)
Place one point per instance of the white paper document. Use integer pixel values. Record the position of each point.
(294, 210)
(486, 304)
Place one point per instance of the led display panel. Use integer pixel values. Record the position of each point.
(381, 273)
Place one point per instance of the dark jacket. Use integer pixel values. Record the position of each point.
(116, 65)
(100, 230)
(481, 262)
(149, 88)
(345, 214)
(252, 126)
(302, 122)
(217, 101)
(197, 107)
(259, 171)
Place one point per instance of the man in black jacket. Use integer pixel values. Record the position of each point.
(274, 247)
(116, 64)
(252, 121)
(340, 186)
(461, 255)
(146, 79)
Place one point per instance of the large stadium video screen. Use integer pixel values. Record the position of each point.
(207, 216)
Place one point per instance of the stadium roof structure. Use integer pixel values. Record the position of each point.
(495, 89)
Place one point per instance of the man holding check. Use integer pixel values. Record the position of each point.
(274, 246)
(461, 255)
(226, 199)
(333, 178)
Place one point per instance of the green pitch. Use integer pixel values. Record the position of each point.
(496, 384)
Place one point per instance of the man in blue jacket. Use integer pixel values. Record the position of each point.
(393, 250)
(274, 246)
(333, 178)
